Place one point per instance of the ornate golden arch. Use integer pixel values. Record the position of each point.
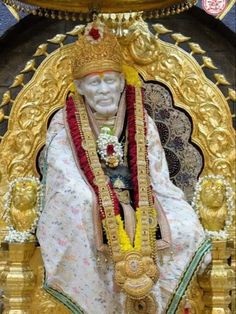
(46, 92)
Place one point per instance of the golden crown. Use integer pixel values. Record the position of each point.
(97, 50)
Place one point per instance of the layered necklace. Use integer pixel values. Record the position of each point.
(134, 263)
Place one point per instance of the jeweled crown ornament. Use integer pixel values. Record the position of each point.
(98, 50)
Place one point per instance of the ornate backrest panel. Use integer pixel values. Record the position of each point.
(192, 91)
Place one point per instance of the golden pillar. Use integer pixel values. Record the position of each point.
(17, 279)
(217, 280)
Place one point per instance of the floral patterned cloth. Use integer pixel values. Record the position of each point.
(66, 234)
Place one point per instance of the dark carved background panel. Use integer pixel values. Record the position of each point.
(184, 159)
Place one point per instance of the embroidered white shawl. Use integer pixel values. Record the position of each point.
(66, 233)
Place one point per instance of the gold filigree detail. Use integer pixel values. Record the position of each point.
(136, 274)
(140, 47)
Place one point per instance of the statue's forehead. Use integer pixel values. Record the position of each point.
(102, 74)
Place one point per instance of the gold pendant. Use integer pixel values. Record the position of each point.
(112, 161)
(146, 305)
(136, 275)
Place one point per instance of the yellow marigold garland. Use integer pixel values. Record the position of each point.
(131, 76)
(123, 237)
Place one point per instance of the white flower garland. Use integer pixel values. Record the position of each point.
(105, 139)
(222, 234)
(21, 236)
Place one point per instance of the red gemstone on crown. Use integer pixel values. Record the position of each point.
(94, 33)
(110, 149)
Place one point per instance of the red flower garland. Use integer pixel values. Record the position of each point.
(132, 147)
(77, 139)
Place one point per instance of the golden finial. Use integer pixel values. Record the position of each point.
(78, 29)
(179, 38)
(2, 116)
(196, 48)
(30, 66)
(41, 50)
(18, 81)
(58, 39)
(161, 29)
(231, 94)
(208, 63)
(6, 98)
(13, 11)
(220, 79)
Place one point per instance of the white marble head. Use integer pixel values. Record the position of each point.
(102, 91)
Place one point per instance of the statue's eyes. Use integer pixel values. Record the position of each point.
(94, 83)
(110, 80)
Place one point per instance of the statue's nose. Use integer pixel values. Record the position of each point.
(103, 88)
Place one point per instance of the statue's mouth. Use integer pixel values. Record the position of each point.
(106, 101)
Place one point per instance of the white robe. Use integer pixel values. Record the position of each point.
(66, 234)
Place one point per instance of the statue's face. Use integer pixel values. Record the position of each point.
(102, 91)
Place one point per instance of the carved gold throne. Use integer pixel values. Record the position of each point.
(177, 93)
